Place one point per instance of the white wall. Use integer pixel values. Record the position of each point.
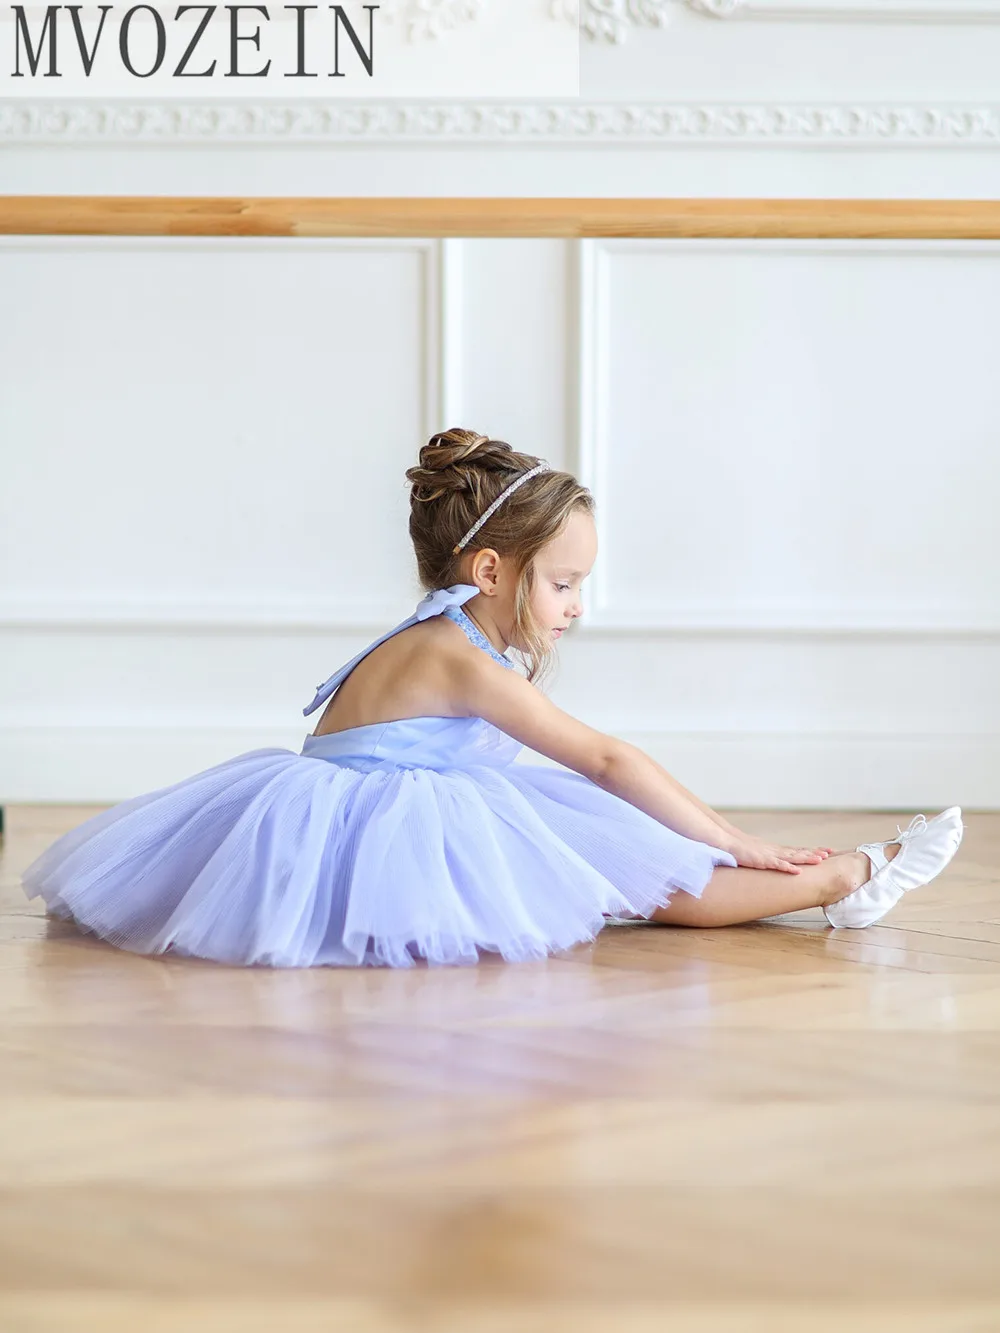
(792, 445)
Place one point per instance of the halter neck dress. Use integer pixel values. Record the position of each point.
(385, 843)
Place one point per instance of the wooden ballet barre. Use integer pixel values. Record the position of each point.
(849, 219)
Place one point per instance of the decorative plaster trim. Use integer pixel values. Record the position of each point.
(878, 11)
(217, 616)
(431, 18)
(213, 615)
(611, 20)
(523, 123)
(600, 20)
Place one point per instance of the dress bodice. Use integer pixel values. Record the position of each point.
(416, 742)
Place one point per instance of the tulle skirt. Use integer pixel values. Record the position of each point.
(281, 859)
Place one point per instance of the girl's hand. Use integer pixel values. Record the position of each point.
(756, 854)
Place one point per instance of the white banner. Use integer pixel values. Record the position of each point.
(355, 50)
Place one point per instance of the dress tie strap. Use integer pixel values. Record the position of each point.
(431, 605)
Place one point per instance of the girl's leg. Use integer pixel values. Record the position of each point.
(734, 896)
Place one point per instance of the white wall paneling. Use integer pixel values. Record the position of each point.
(518, 362)
(203, 504)
(452, 331)
(747, 655)
(760, 658)
(792, 435)
(210, 513)
(812, 424)
(790, 443)
(229, 414)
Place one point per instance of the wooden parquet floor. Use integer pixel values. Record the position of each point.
(770, 1127)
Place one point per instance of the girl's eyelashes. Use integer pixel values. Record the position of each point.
(562, 587)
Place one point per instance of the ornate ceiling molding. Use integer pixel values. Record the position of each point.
(902, 11)
(600, 20)
(555, 124)
(431, 18)
(610, 20)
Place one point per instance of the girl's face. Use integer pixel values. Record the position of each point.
(560, 568)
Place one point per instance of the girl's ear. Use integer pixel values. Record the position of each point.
(485, 570)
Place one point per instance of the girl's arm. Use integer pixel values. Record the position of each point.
(729, 831)
(483, 688)
(802, 855)
(637, 778)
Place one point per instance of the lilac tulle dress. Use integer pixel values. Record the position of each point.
(380, 844)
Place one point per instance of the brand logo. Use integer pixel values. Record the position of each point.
(144, 41)
(351, 50)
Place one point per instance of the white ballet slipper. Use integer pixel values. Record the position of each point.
(926, 847)
(953, 812)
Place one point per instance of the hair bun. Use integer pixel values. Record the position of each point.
(452, 459)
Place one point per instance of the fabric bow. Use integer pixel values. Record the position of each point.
(435, 602)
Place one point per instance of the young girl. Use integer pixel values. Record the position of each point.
(404, 829)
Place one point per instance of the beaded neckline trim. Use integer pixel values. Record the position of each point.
(473, 632)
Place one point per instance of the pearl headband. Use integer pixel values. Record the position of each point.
(542, 467)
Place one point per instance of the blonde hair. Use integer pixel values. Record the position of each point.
(459, 475)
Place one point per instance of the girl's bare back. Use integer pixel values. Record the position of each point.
(407, 676)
